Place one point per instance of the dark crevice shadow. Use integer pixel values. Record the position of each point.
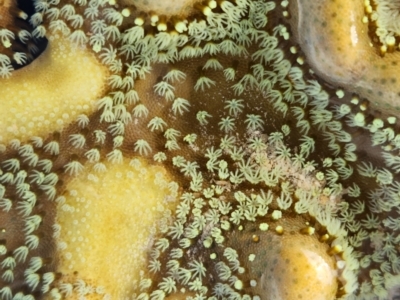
(34, 46)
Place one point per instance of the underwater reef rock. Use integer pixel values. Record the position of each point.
(243, 149)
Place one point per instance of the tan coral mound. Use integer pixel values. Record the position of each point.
(290, 265)
(168, 8)
(5, 8)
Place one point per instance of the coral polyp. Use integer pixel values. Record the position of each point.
(20, 42)
(267, 236)
(198, 153)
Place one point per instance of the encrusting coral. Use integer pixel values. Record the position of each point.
(343, 46)
(261, 180)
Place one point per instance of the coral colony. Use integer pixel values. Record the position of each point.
(228, 149)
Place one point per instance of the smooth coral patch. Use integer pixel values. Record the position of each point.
(338, 46)
(290, 265)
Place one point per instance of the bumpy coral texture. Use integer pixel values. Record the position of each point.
(200, 150)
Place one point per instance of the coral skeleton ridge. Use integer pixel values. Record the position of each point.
(198, 150)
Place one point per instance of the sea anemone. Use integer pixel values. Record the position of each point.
(217, 161)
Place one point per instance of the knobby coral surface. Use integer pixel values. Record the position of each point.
(243, 149)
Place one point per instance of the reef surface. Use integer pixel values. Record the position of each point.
(199, 150)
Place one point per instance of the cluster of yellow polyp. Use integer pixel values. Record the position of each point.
(229, 149)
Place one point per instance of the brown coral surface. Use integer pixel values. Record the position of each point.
(196, 150)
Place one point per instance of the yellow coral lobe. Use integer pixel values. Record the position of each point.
(50, 92)
(106, 230)
(288, 265)
(335, 40)
(304, 271)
